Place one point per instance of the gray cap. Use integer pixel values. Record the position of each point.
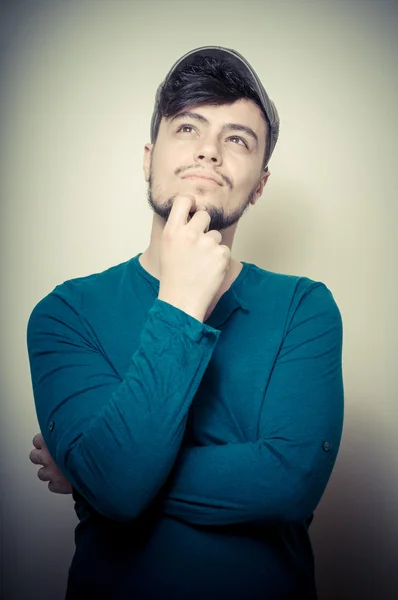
(244, 68)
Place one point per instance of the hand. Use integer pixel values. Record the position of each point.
(193, 263)
(49, 471)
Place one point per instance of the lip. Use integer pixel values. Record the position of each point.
(200, 176)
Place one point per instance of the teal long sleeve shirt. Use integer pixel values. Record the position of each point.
(198, 452)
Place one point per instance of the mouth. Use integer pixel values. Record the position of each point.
(203, 178)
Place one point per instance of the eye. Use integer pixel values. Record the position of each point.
(236, 137)
(185, 126)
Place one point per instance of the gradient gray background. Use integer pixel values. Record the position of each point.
(78, 81)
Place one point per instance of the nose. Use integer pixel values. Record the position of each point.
(205, 158)
(208, 152)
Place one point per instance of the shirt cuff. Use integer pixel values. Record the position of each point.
(177, 318)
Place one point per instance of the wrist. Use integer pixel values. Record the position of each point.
(185, 306)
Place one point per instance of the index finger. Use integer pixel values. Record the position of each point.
(38, 441)
(36, 457)
(180, 210)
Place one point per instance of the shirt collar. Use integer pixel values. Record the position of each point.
(230, 301)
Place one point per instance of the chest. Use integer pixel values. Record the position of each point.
(228, 403)
(231, 396)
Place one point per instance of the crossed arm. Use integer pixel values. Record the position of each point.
(281, 476)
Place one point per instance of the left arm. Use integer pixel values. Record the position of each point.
(281, 477)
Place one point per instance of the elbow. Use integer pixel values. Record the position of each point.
(302, 505)
(296, 503)
(302, 489)
(114, 493)
(301, 502)
(298, 512)
(101, 498)
(117, 511)
(116, 503)
(120, 490)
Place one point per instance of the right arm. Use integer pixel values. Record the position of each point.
(115, 440)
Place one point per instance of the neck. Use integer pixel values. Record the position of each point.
(150, 258)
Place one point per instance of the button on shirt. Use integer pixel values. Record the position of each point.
(197, 451)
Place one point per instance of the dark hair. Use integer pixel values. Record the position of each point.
(207, 80)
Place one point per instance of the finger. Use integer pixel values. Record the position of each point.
(60, 486)
(52, 486)
(200, 221)
(44, 474)
(35, 457)
(216, 235)
(42, 456)
(38, 441)
(179, 213)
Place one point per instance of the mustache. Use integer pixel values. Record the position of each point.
(223, 177)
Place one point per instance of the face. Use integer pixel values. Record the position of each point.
(213, 152)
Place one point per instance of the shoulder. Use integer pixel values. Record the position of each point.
(294, 294)
(74, 296)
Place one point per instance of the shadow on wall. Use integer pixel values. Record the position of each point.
(280, 232)
(355, 548)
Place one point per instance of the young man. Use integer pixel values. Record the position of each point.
(192, 403)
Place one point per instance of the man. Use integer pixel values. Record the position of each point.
(192, 403)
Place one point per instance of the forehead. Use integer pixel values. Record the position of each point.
(243, 108)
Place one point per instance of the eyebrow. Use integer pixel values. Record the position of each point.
(231, 126)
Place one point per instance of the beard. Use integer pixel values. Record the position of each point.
(219, 219)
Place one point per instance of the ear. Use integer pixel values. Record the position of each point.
(260, 187)
(146, 165)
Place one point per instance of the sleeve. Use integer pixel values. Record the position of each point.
(116, 440)
(281, 477)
